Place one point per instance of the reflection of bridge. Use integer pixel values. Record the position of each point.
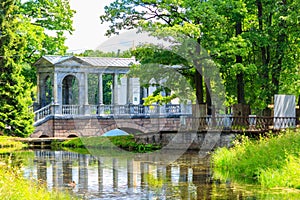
(99, 175)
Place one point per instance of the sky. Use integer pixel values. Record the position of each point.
(89, 32)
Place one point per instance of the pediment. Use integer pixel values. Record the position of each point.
(72, 62)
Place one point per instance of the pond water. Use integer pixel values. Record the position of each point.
(112, 174)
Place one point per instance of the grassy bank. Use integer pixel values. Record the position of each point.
(12, 183)
(123, 142)
(8, 144)
(272, 161)
(14, 186)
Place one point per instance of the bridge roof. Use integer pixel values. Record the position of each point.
(90, 61)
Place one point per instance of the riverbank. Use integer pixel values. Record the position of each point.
(13, 185)
(272, 161)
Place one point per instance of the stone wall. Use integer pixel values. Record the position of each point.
(61, 126)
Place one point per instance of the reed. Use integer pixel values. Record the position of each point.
(271, 161)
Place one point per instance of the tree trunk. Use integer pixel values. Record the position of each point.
(198, 76)
(208, 96)
(199, 86)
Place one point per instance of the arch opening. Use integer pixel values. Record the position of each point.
(44, 136)
(115, 132)
(70, 90)
(48, 88)
(72, 136)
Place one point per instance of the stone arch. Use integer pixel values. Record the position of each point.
(127, 126)
(70, 89)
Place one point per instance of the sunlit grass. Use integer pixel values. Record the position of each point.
(272, 161)
(14, 186)
(10, 142)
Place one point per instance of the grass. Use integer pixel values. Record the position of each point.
(272, 161)
(14, 186)
(8, 144)
(123, 142)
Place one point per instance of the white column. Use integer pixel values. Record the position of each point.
(128, 93)
(100, 89)
(86, 97)
(115, 89)
(55, 84)
(38, 94)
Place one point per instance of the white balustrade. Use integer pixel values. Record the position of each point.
(70, 109)
(43, 112)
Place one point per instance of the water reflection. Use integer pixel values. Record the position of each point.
(129, 177)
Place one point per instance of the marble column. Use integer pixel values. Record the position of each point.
(86, 97)
(38, 92)
(55, 84)
(100, 89)
(115, 89)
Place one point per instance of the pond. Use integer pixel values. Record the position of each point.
(113, 174)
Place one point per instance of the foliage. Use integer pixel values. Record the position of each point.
(26, 33)
(265, 161)
(254, 43)
(98, 53)
(123, 142)
(44, 25)
(15, 116)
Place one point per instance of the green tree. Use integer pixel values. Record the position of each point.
(255, 43)
(44, 30)
(15, 116)
(158, 16)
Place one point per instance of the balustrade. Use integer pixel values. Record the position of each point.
(215, 122)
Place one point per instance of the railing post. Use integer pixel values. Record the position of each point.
(86, 109)
(56, 109)
(100, 109)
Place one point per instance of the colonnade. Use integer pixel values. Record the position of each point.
(64, 81)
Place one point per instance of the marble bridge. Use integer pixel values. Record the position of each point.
(70, 103)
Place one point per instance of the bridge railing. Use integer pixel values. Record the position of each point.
(143, 111)
(43, 112)
(71, 110)
(251, 123)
